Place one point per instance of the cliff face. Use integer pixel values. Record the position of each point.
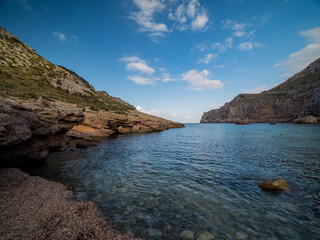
(296, 98)
(45, 107)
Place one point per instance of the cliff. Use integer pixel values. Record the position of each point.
(45, 107)
(295, 100)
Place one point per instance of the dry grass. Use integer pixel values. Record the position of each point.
(34, 208)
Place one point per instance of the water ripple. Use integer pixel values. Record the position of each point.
(200, 178)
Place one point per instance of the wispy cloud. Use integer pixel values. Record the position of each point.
(60, 36)
(249, 45)
(222, 47)
(167, 78)
(299, 60)
(135, 63)
(200, 80)
(144, 17)
(183, 15)
(200, 21)
(26, 5)
(313, 34)
(201, 46)
(237, 29)
(141, 80)
(75, 38)
(189, 15)
(219, 66)
(159, 113)
(259, 89)
(208, 58)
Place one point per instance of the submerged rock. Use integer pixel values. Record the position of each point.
(154, 232)
(276, 184)
(206, 235)
(241, 235)
(187, 234)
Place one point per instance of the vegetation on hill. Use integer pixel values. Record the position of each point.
(25, 74)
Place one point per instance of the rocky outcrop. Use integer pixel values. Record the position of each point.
(296, 98)
(34, 208)
(30, 129)
(45, 107)
(99, 125)
(306, 120)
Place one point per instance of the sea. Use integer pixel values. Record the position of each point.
(201, 181)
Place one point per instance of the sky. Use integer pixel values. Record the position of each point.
(172, 58)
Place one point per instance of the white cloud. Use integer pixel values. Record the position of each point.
(299, 60)
(222, 47)
(259, 89)
(208, 58)
(313, 34)
(200, 80)
(167, 78)
(137, 64)
(183, 14)
(219, 66)
(256, 90)
(200, 21)
(249, 45)
(144, 17)
(141, 80)
(60, 36)
(202, 47)
(159, 113)
(238, 29)
(74, 37)
(140, 66)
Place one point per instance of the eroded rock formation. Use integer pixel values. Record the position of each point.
(296, 98)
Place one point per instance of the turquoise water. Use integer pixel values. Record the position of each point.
(199, 178)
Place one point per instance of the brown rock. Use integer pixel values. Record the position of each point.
(29, 129)
(276, 184)
(123, 130)
(298, 95)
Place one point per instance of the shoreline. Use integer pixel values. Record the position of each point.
(35, 208)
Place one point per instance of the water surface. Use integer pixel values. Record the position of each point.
(201, 178)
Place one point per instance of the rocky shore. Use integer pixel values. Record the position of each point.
(34, 208)
(46, 108)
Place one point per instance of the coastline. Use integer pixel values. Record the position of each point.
(35, 208)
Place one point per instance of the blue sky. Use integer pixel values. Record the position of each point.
(172, 58)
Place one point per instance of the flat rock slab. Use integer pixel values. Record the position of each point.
(34, 208)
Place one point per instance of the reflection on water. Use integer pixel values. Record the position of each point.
(201, 179)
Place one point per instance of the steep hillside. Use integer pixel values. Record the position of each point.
(296, 98)
(45, 107)
(25, 74)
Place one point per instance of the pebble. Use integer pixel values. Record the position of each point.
(241, 235)
(187, 234)
(206, 236)
(154, 232)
